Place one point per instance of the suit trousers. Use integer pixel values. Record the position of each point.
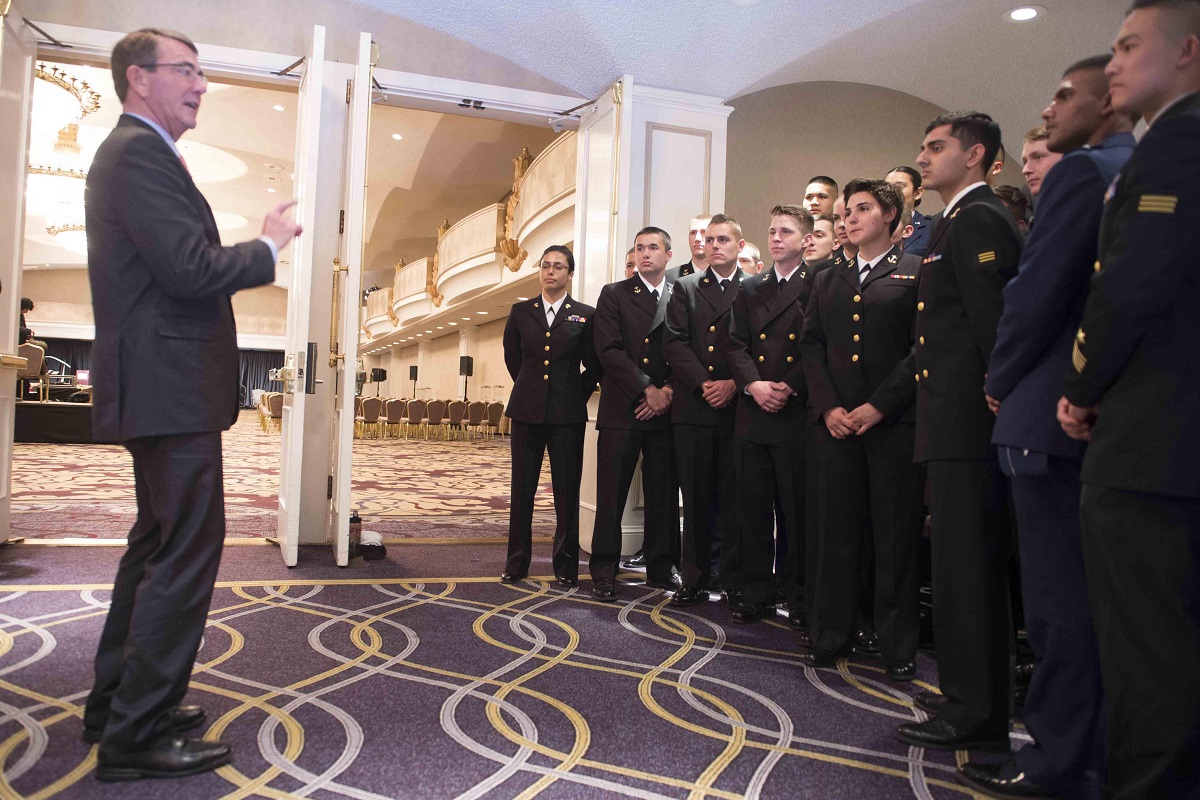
(1065, 700)
(762, 472)
(972, 621)
(868, 483)
(704, 464)
(162, 591)
(1143, 566)
(617, 451)
(565, 446)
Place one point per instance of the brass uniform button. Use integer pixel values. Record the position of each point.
(710, 369)
(921, 306)
(545, 377)
(712, 328)
(925, 373)
(647, 341)
(856, 337)
(710, 348)
(547, 348)
(918, 377)
(856, 317)
(790, 359)
(762, 336)
(547, 334)
(545, 363)
(858, 298)
(791, 336)
(1097, 266)
(762, 358)
(922, 340)
(645, 361)
(854, 357)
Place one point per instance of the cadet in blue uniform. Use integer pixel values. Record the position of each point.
(972, 255)
(1042, 309)
(856, 349)
(1134, 389)
(546, 341)
(909, 182)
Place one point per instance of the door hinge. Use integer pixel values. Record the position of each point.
(329, 489)
(341, 221)
(349, 89)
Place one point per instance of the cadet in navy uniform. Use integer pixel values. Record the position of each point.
(634, 417)
(702, 410)
(1042, 309)
(1134, 388)
(972, 255)
(546, 341)
(909, 182)
(856, 350)
(764, 354)
(696, 243)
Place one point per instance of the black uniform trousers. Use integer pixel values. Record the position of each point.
(972, 619)
(764, 471)
(162, 590)
(1143, 566)
(868, 482)
(704, 464)
(565, 445)
(617, 451)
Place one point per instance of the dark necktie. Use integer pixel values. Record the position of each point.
(863, 272)
(654, 294)
(782, 283)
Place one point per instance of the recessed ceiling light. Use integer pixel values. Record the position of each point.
(1024, 13)
(277, 107)
(429, 331)
(269, 189)
(397, 136)
(481, 312)
(441, 327)
(451, 323)
(522, 298)
(419, 335)
(466, 319)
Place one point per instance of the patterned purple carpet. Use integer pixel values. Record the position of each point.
(422, 677)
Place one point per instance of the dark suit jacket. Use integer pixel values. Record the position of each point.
(1043, 305)
(548, 387)
(697, 345)
(1137, 353)
(918, 241)
(973, 254)
(682, 271)
(165, 357)
(857, 340)
(764, 345)
(629, 335)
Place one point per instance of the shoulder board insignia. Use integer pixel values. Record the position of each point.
(893, 258)
(1157, 203)
(985, 257)
(537, 305)
(932, 259)
(802, 274)
(904, 277)
(707, 280)
(955, 214)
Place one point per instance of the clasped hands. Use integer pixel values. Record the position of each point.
(771, 396)
(1076, 421)
(842, 423)
(655, 402)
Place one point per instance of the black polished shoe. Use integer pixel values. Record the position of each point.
(566, 581)
(736, 599)
(714, 582)
(865, 641)
(636, 561)
(671, 584)
(604, 590)
(688, 596)
(183, 718)
(929, 701)
(937, 734)
(510, 579)
(170, 757)
(797, 621)
(753, 612)
(1001, 780)
(823, 657)
(903, 671)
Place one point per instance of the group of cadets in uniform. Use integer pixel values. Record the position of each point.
(1037, 394)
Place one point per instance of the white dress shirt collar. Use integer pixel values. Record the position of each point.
(662, 282)
(872, 264)
(954, 200)
(556, 307)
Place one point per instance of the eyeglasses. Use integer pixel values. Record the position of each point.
(183, 69)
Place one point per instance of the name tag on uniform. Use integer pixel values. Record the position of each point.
(932, 259)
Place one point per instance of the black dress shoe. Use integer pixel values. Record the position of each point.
(635, 561)
(688, 596)
(797, 621)
(937, 734)
(753, 612)
(865, 641)
(929, 701)
(509, 579)
(714, 582)
(566, 581)
(1001, 780)
(823, 657)
(736, 598)
(604, 590)
(902, 670)
(170, 757)
(671, 584)
(183, 718)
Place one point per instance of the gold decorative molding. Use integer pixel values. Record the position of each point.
(508, 246)
(89, 98)
(399, 265)
(391, 297)
(431, 274)
(59, 172)
(55, 230)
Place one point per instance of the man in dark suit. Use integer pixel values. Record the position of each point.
(1042, 309)
(161, 283)
(1134, 389)
(697, 347)
(909, 182)
(696, 242)
(856, 350)
(972, 255)
(768, 448)
(546, 341)
(634, 418)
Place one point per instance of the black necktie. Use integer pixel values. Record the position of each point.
(552, 311)
(654, 294)
(722, 285)
(782, 282)
(863, 272)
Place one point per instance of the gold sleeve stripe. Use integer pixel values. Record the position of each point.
(1078, 359)
(1157, 203)
(987, 256)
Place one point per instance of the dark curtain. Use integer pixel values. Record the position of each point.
(76, 352)
(253, 368)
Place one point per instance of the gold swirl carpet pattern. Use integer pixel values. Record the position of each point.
(465, 688)
(403, 488)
